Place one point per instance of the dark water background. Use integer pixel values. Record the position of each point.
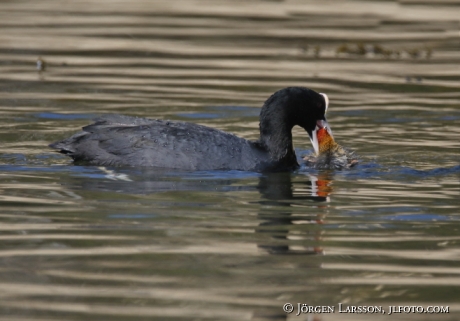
(90, 243)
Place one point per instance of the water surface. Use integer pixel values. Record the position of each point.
(81, 243)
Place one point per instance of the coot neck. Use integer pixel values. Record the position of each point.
(276, 138)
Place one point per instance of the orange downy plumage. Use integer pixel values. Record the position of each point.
(325, 141)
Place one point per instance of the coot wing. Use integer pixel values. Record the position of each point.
(117, 140)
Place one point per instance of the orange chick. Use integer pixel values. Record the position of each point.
(330, 155)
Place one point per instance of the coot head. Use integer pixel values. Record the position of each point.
(285, 109)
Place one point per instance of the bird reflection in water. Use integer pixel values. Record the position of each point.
(291, 211)
(282, 194)
(277, 190)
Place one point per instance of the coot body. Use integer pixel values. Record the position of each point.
(116, 140)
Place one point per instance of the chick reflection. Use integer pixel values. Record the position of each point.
(277, 191)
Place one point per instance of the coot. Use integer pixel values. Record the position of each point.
(117, 140)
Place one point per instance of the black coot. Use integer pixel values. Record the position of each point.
(117, 140)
